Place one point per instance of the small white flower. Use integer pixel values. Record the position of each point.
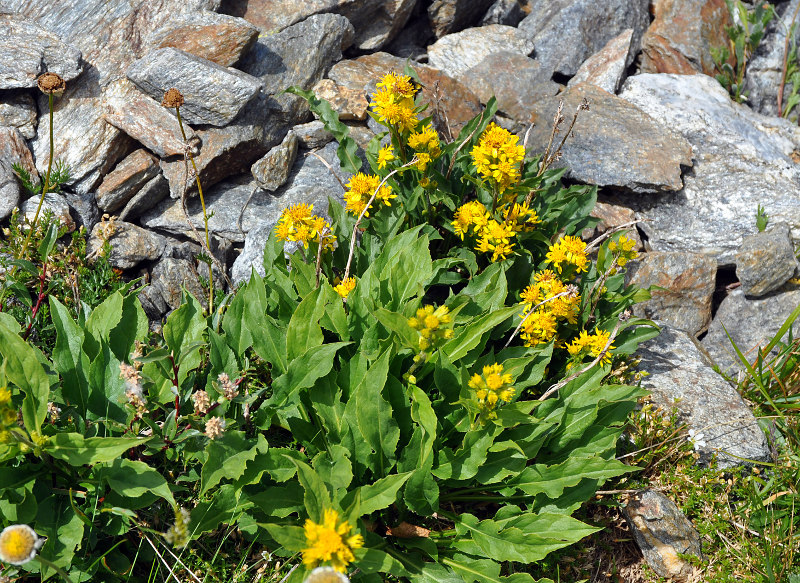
(696, 439)
(326, 575)
(19, 544)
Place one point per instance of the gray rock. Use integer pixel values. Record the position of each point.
(152, 193)
(220, 38)
(449, 16)
(682, 35)
(130, 244)
(751, 323)
(312, 135)
(613, 215)
(454, 54)
(18, 109)
(567, 32)
(706, 402)
(9, 189)
(53, 203)
(252, 255)
(687, 284)
(27, 50)
(168, 278)
(349, 104)
(146, 121)
(272, 171)
(741, 159)
(612, 144)
(765, 68)
(606, 68)
(310, 182)
(515, 80)
(766, 261)
(213, 94)
(84, 209)
(125, 180)
(662, 532)
(508, 12)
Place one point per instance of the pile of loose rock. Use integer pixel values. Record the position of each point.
(663, 141)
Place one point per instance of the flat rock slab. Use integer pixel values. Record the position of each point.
(152, 193)
(741, 159)
(567, 32)
(309, 182)
(682, 35)
(130, 244)
(272, 171)
(27, 50)
(687, 281)
(9, 189)
(455, 53)
(606, 68)
(13, 150)
(662, 532)
(751, 323)
(448, 16)
(516, 81)
(706, 402)
(54, 203)
(766, 260)
(214, 95)
(18, 110)
(126, 179)
(168, 278)
(612, 144)
(219, 38)
(459, 103)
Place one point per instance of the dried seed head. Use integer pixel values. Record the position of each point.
(172, 98)
(51, 83)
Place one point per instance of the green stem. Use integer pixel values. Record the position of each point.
(205, 216)
(56, 568)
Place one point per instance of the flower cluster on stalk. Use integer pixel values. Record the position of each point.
(492, 236)
(432, 325)
(552, 301)
(592, 345)
(343, 288)
(298, 224)
(330, 542)
(492, 388)
(393, 103)
(498, 157)
(360, 189)
(568, 254)
(426, 146)
(624, 248)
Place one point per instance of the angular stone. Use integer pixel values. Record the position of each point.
(613, 215)
(130, 244)
(662, 532)
(375, 22)
(766, 261)
(55, 203)
(741, 159)
(751, 323)
(457, 102)
(310, 182)
(213, 94)
(456, 53)
(606, 68)
(220, 38)
(567, 32)
(612, 144)
(18, 109)
(706, 402)
(508, 12)
(449, 16)
(252, 255)
(514, 79)
(27, 50)
(14, 150)
(272, 171)
(152, 193)
(146, 121)
(168, 278)
(312, 135)
(9, 189)
(682, 35)
(125, 180)
(349, 104)
(84, 209)
(687, 284)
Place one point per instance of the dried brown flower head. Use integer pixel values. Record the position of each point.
(215, 427)
(51, 83)
(172, 98)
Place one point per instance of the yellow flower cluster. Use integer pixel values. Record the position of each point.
(330, 542)
(343, 288)
(570, 251)
(393, 103)
(542, 324)
(625, 248)
(432, 326)
(491, 388)
(385, 155)
(592, 344)
(494, 237)
(360, 189)
(8, 415)
(297, 223)
(426, 145)
(498, 157)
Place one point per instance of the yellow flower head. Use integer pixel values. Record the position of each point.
(520, 217)
(495, 239)
(400, 85)
(425, 140)
(539, 328)
(361, 187)
(432, 325)
(330, 542)
(19, 544)
(592, 344)
(568, 250)
(5, 396)
(625, 248)
(385, 155)
(498, 156)
(491, 388)
(345, 287)
(472, 214)
(297, 223)
(393, 103)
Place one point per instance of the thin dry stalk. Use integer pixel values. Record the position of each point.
(532, 310)
(161, 558)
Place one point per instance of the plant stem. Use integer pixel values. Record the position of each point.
(41, 297)
(56, 568)
(205, 215)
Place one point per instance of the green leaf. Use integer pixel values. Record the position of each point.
(552, 480)
(183, 334)
(421, 491)
(134, 478)
(398, 324)
(305, 371)
(381, 494)
(317, 498)
(224, 507)
(227, 457)
(374, 414)
(476, 332)
(292, 538)
(77, 450)
(304, 332)
(69, 359)
(464, 463)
